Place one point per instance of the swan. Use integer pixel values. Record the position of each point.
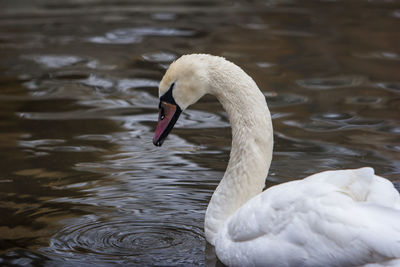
(332, 218)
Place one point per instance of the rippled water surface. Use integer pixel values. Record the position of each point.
(81, 183)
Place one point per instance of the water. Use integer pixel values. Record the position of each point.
(81, 182)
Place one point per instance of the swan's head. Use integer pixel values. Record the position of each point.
(184, 83)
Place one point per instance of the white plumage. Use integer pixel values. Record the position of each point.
(332, 218)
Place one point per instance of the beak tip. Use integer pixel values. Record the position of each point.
(157, 142)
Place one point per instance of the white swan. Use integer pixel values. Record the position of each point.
(332, 218)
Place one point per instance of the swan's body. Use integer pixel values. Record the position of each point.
(333, 218)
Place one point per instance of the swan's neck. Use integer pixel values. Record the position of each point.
(252, 143)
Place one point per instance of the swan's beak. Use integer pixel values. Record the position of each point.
(167, 117)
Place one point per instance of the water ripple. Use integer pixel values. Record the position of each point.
(385, 55)
(333, 116)
(137, 241)
(39, 143)
(390, 86)
(163, 16)
(42, 147)
(135, 35)
(106, 86)
(335, 121)
(282, 100)
(332, 82)
(161, 57)
(55, 61)
(364, 100)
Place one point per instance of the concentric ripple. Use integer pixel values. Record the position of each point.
(129, 241)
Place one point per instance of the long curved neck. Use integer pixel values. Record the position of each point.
(252, 144)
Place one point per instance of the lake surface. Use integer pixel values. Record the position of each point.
(81, 183)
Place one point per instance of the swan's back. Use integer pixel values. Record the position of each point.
(333, 218)
(362, 185)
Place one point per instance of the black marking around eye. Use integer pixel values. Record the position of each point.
(167, 97)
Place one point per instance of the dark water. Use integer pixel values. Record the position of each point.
(81, 183)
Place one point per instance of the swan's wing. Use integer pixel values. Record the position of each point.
(361, 185)
(316, 220)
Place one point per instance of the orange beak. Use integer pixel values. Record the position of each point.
(167, 117)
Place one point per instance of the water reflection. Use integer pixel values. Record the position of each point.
(82, 184)
(136, 35)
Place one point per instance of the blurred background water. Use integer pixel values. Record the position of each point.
(81, 183)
